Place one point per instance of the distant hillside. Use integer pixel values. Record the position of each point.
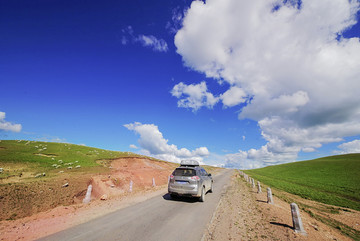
(21, 155)
(27, 158)
(333, 180)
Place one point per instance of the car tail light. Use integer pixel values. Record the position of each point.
(171, 176)
(195, 178)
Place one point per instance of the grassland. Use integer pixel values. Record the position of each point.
(333, 180)
(18, 156)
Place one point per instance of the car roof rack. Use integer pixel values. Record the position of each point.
(189, 163)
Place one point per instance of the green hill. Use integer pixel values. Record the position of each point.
(18, 156)
(332, 180)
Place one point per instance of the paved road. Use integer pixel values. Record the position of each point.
(156, 219)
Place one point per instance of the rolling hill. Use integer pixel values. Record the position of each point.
(332, 180)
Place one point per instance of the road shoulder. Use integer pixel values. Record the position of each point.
(243, 214)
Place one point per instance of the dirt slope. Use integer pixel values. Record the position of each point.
(44, 205)
(27, 196)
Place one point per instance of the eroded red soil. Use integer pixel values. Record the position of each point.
(113, 186)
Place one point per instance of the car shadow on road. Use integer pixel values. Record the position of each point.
(167, 197)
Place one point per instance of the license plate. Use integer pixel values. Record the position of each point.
(182, 182)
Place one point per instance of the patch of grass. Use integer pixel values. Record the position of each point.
(345, 229)
(332, 180)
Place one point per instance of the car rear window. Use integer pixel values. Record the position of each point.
(187, 172)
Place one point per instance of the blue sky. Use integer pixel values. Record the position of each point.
(225, 82)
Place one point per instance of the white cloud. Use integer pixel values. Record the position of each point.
(176, 19)
(153, 143)
(349, 147)
(298, 74)
(262, 107)
(194, 96)
(8, 126)
(133, 146)
(124, 40)
(128, 35)
(234, 96)
(158, 45)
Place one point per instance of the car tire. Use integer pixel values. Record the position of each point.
(202, 197)
(212, 188)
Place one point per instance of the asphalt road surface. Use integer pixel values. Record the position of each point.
(159, 218)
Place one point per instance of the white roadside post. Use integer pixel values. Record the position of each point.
(88, 194)
(153, 182)
(297, 223)
(259, 187)
(253, 182)
(269, 196)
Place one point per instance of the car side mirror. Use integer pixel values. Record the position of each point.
(209, 175)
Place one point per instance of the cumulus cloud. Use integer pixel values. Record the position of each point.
(349, 147)
(194, 96)
(8, 126)
(157, 45)
(153, 143)
(234, 96)
(288, 61)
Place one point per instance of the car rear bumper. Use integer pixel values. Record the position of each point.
(184, 190)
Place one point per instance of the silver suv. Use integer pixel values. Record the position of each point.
(190, 180)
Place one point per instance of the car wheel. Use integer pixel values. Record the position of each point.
(202, 197)
(212, 188)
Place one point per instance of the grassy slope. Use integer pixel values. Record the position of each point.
(333, 180)
(22, 193)
(32, 155)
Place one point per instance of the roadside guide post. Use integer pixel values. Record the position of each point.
(88, 194)
(297, 223)
(269, 196)
(259, 187)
